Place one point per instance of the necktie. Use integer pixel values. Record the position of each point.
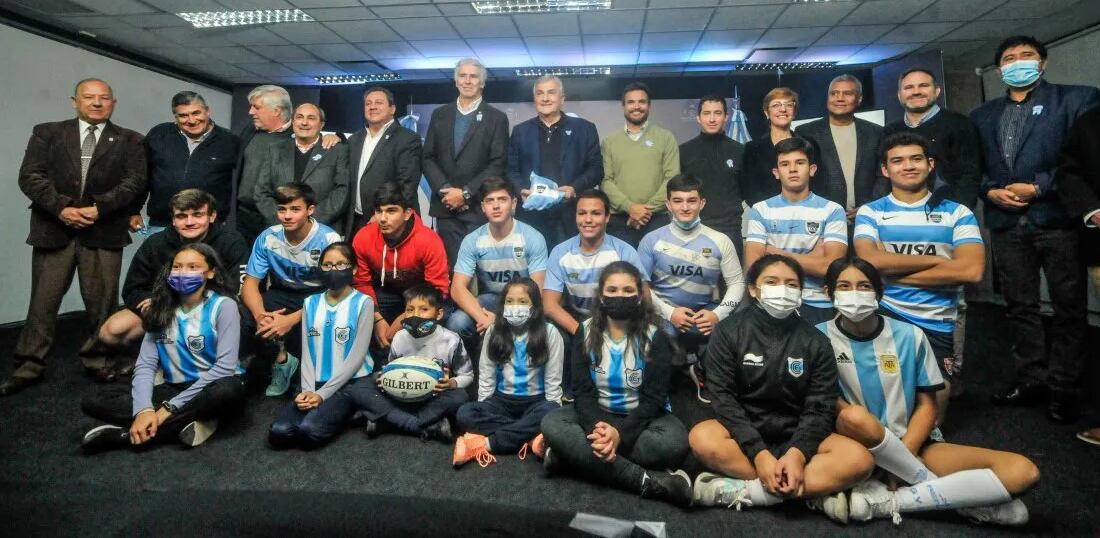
(86, 150)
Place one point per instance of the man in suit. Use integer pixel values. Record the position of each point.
(270, 108)
(467, 142)
(847, 165)
(381, 152)
(302, 159)
(1030, 230)
(81, 175)
(559, 147)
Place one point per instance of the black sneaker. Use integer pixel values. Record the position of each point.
(672, 487)
(105, 437)
(373, 429)
(440, 431)
(550, 462)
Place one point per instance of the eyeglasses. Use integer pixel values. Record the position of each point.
(777, 105)
(342, 266)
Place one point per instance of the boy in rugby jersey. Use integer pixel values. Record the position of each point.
(289, 252)
(336, 364)
(800, 225)
(192, 340)
(687, 261)
(925, 246)
(497, 252)
(888, 374)
(423, 334)
(575, 265)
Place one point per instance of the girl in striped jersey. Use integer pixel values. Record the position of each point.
(519, 380)
(619, 425)
(888, 377)
(192, 337)
(336, 366)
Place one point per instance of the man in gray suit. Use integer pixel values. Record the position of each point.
(302, 159)
(847, 167)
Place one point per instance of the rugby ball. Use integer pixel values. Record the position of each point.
(410, 379)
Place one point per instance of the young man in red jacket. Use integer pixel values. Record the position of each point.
(396, 251)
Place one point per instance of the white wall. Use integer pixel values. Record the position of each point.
(39, 74)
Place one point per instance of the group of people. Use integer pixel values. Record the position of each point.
(583, 302)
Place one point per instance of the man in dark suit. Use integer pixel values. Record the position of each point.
(559, 147)
(302, 159)
(1022, 134)
(82, 176)
(382, 151)
(270, 108)
(847, 164)
(467, 142)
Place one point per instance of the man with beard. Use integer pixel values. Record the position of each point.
(637, 163)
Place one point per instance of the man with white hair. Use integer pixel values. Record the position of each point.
(467, 142)
(562, 148)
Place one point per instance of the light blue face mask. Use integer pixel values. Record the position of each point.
(1021, 73)
(689, 225)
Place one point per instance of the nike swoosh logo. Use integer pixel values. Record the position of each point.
(884, 217)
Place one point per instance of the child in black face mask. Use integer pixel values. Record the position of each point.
(423, 334)
(339, 320)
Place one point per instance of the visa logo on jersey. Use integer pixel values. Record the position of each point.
(685, 270)
(911, 249)
(501, 277)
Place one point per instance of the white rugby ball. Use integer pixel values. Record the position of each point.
(410, 379)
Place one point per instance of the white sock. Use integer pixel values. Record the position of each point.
(892, 454)
(964, 489)
(760, 496)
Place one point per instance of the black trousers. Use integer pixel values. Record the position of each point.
(1019, 253)
(618, 228)
(114, 404)
(452, 231)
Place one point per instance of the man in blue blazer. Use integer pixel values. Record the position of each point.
(1021, 134)
(563, 148)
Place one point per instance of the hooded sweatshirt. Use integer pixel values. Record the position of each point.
(416, 258)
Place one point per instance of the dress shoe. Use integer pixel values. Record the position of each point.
(1022, 395)
(1063, 409)
(15, 384)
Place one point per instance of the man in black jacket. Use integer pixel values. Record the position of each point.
(467, 142)
(194, 215)
(717, 160)
(189, 153)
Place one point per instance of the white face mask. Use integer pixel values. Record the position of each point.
(855, 305)
(517, 314)
(779, 301)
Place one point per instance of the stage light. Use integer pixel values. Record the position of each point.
(562, 71)
(333, 80)
(219, 19)
(496, 7)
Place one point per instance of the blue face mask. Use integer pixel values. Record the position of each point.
(186, 283)
(1021, 73)
(689, 225)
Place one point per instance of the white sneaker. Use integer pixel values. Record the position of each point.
(872, 499)
(715, 490)
(834, 506)
(197, 432)
(1012, 513)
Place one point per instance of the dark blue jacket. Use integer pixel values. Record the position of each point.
(1054, 108)
(581, 163)
(172, 168)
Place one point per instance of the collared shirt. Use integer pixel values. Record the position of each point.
(84, 130)
(550, 146)
(468, 111)
(931, 113)
(369, 143)
(306, 149)
(1011, 127)
(193, 143)
(638, 135)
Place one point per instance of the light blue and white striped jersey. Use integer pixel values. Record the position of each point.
(496, 263)
(291, 266)
(797, 227)
(884, 372)
(917, 230)
(617, 373)
(517, 377)
(333, 337)
(189, 345)
(685, 267)
(578, 273)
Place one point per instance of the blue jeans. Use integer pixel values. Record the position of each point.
(461, 322)
(508, 421)
(314, 428)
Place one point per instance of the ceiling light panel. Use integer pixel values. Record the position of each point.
(496, 7)
(563, 71)
(221, 19)
(332, 80)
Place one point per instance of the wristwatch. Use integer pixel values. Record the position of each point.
(169, 406)
(465, 194)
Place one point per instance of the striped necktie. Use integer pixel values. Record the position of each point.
(86, 150)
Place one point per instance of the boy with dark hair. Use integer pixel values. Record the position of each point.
(290, 253)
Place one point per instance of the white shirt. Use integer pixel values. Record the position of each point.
(468, 111)
(369, 143)
(84, 130)
(193, 143)
(638, 135)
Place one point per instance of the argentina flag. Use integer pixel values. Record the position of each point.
(739, 127)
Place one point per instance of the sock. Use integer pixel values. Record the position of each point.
(404, 421)
(964, 489)
(760, 496)
(892, 454)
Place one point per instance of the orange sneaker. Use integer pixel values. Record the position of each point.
(537, 446)
(472, 446)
